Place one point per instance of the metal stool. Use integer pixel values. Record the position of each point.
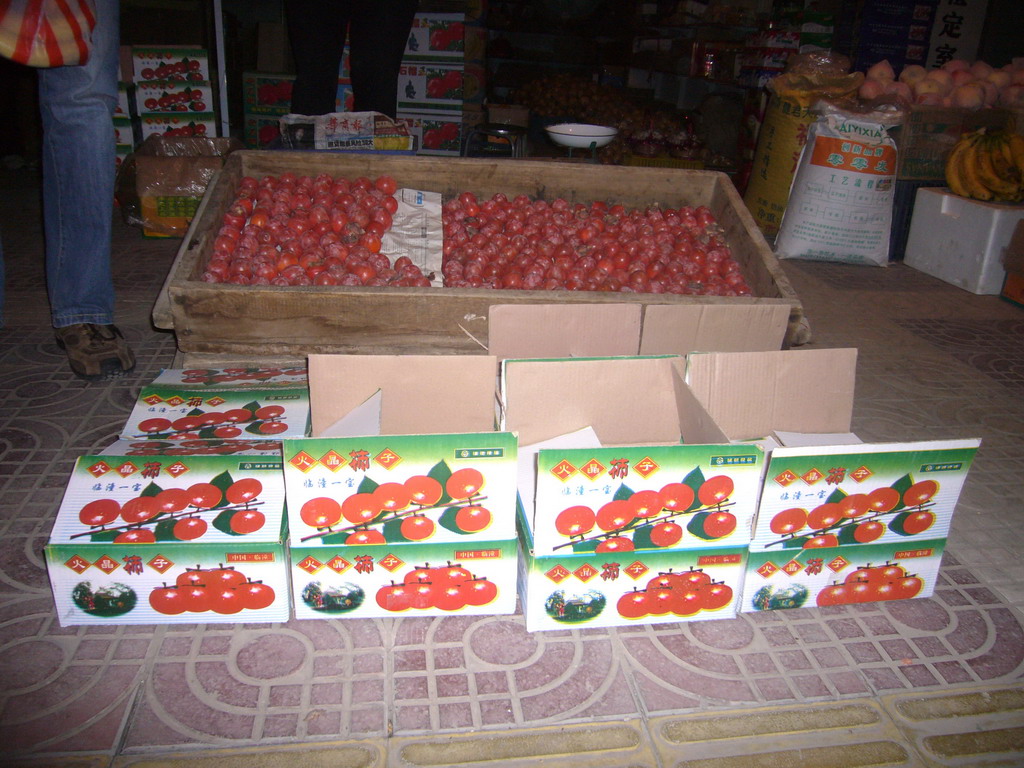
(495, 139)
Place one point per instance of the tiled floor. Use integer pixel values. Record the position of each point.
(934, 362)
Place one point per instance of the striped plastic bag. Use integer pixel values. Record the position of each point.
(47, 33)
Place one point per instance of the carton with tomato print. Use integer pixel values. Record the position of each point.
(626, 587)
(436, 37)
(436, 134)
(173, 96)
(161, 539)
(170, 62)
(266, 94)
(430, 86)
(843, 575)
(394, 501)
(178, 124)
(182, 405)
(859, 494)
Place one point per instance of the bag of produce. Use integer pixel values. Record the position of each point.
(840, 202)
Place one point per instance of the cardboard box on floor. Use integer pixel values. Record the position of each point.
(403, 500)
(710, 398)
(170, 539)
(827, 510)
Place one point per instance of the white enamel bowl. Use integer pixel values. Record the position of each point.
(581, 134)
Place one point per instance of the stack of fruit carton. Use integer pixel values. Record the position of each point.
(173, 91)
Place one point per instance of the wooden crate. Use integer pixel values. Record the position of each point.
(264, 321)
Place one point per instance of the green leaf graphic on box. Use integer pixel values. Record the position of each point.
(836, 496)
(642, 537)
(797, 542)
(151, 490)
(623, 493)
(222, 522)
(104, 536)
(207, 433)
(222, 481)
(898, 524)
(447, 520)
(695, 479)
(590, 545)
(901, 485)
(366, 485)
(164, 530)
(335, 538)
(846, 534)
(392, 531)
(696, 526)
(441, 472)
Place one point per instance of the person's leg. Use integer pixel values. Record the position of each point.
(77, 107)
(377, 38)
(316, 31)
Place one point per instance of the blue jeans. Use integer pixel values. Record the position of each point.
(77, 108)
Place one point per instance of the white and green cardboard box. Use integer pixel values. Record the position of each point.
(221, 403)
(844, 575)
(170, 539)
(403, 501)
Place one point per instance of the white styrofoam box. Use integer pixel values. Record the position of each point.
(960, 241)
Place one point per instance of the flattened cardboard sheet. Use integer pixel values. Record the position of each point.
(420, 394)
(626, 400)
(679, 329)
(563, 330)
(752, 394)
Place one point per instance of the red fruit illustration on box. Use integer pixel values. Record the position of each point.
(872, 583)
(412, 509)
(447, 587)
(177, 514)
(230, 423)
(223, 589)
(859, 518)
(652, 518)
(677, 593)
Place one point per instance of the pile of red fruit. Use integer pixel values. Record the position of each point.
(267, 420)
(300, 230)
(872, 583)
(403, 503)
(680, 594)
(223, 590)
(178, 507)
(447, 587)
(652, 513)
(542, 245)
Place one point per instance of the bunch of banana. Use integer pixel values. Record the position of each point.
(987, 165)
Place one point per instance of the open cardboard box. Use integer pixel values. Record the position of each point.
(719, 399)
(829, 511)
(403, 501)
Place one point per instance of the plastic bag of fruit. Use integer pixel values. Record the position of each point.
(840, 202)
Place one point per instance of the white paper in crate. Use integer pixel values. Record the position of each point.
(840, 201)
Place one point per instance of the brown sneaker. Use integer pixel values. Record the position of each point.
(96, 351)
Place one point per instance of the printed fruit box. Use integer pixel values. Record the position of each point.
(430, 86)
(606, 589)
(397, 489)
(436, 37)
(844, 575)
(264, 94)
(858, 494)
(472, 577)
(170, 539)
(622, 499)
(173, 96)
(183, 405)
(196, 447)
(257, 320)
(170, 63)
(435, 134)
(178, 124)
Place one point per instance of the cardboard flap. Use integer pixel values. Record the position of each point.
(563, 330)
(363, 420)
(752, 394)
(625, 400)
(420, 394)
(678, 329)
(695, 423)
(1013, 256)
